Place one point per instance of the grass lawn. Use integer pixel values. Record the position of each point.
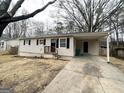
(26, 75)
(119, 63)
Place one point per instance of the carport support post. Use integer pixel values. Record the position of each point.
(108, 50)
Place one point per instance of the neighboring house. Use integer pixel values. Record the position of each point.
(3, 45)
(65, 45)
(6, 44)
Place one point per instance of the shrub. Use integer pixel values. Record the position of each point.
(13, 50)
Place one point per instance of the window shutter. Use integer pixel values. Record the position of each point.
(57, 43)
(68, 42)
(29, 42)
(37, 42)
(44, 41)
(24, 42)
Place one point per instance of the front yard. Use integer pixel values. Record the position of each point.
(26, 75)
(119, 63)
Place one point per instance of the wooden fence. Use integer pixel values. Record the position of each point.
(120, 52)
(116, 52)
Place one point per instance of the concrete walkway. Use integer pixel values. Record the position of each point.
(88, 74)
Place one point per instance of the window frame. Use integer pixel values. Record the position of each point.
(63, 43)
(2, 44)
(27, 42)
(40, 42)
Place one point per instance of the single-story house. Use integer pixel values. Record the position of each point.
(76, 44)
(6, 44)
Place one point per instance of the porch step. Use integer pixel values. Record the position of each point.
(48, 56)
(56, 55)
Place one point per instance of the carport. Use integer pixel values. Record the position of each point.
(88, 43)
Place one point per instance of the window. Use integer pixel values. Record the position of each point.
(62, 42)
(28, 42)
(53, 40)
(40, 41)
(2, 44)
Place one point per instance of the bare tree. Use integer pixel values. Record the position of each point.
(17, 29)
(90, 15)
(8, 16)
(70, 27)
(38, 28)
(23, 25)
(59, 28)
(118, 26)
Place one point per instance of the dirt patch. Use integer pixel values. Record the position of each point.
(8, 58)
(119, 63)
(24, 75)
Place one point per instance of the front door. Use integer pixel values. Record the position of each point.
(85, 47)
(53, 45)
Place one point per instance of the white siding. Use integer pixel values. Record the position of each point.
(38, 50)
(67, 52)
(30, 50)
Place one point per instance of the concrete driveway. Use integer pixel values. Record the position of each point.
(88, 74)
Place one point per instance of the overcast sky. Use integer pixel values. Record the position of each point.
(31, 5)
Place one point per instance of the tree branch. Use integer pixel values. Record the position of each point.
(13, 11)
(5, 5)
(22, 17)
(16, 7)
(8, 17)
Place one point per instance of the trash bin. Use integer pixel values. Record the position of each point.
(77, 52)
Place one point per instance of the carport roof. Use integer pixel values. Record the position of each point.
(84, 35)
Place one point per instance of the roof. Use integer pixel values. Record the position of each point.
(9, 39)
(76, 35)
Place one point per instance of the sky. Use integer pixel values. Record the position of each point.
(32, 5)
